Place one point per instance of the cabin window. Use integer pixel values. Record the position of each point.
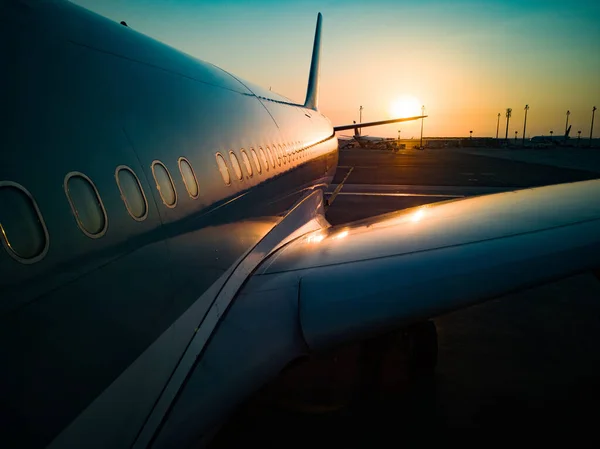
(286, 156)
(22, 228)
(256, 161)
(223, 169)
(263, 156)
(132, 193)
(86, 204)
(247, 163)
(271, 157)
(164, 184)
(236, 165)
(189, 177)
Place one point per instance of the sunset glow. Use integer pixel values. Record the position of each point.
(405, 106)
(465, 62)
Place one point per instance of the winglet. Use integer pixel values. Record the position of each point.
(312, 91)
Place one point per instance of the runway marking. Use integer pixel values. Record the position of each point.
(379, 166)
(436, 195)
(482, 174)
(362, 166)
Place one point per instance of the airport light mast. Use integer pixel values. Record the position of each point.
(567, 122)
(525, 123)
(592, 127)
(508, 115)
(497, 125)
(516, 132)
(360, 118)
(422, 113)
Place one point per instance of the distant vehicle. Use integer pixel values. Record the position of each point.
(552, 140)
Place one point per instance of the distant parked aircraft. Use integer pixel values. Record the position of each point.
(553, 140)
(365, 141)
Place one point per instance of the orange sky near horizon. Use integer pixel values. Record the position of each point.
(464, 60)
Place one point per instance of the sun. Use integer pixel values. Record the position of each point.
(405, 106)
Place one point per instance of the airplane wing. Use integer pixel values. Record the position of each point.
(380, 122)
(346, 283)
(387, 271)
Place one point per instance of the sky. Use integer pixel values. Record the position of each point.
(465, 61)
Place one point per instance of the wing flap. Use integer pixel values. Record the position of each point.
(387, 271)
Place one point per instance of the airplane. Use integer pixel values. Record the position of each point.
(365, 141)
(552, 140)
(165, 252)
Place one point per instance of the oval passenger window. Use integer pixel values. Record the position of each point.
(164, 184)
(236, 164)
(283, 153)
(271, 157)
(278, 153)
(256, 161)
(223, 169)
(132, 193)
(264, 158)
(189, 177)
(86, 205)
(22, 229)
(247, 163)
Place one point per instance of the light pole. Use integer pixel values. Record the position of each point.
(525, 123)
(592, 127)
(422, 114)
(578, 138)
(398, 136)
(360, 118)
(470, 134)
(567, 122)
(498, 125)
(551, 132)
(516, 136)
(508, 115)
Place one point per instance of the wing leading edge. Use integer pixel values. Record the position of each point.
(387, 271)
(378, 123)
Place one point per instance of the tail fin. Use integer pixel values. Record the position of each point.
(312, 91)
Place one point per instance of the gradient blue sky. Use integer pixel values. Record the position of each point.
(465, 61)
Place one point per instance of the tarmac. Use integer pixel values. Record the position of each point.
(523, 369)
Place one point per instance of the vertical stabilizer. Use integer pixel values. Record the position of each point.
(312, 91)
